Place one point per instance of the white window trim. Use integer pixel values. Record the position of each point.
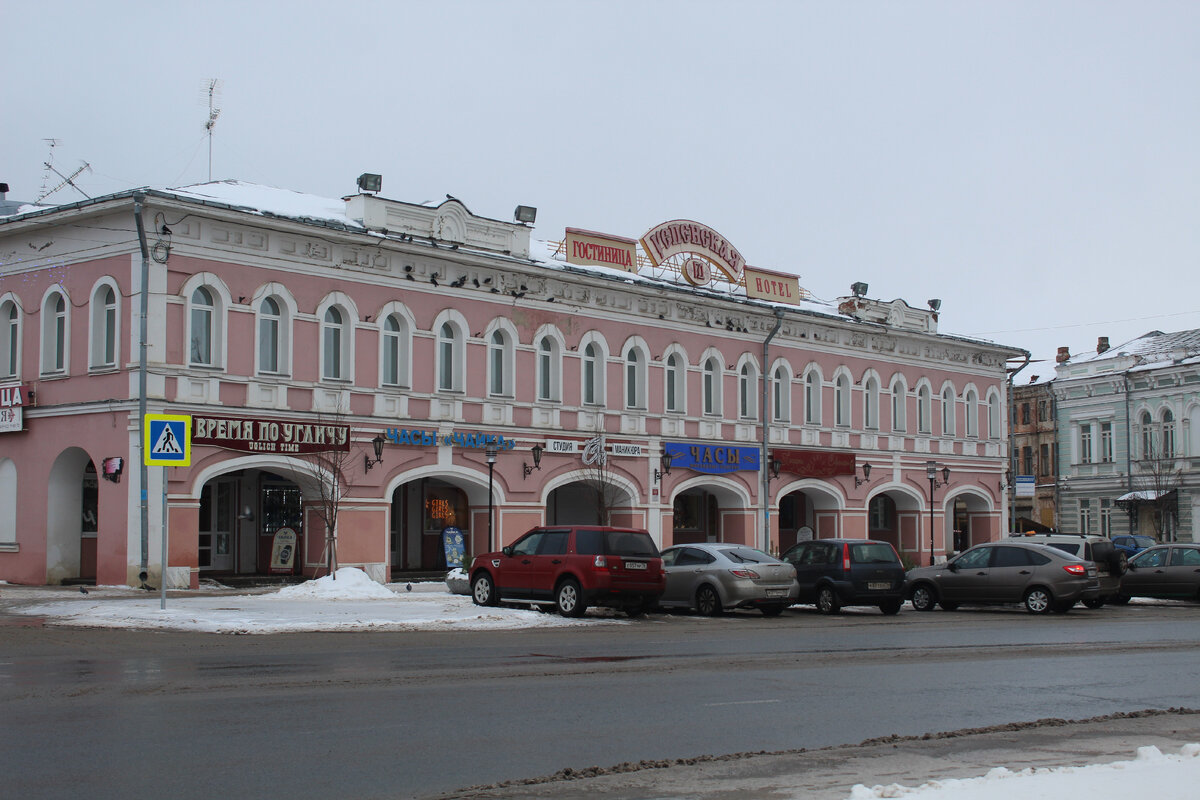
(11, 332)
(98, 326)
(46, 363)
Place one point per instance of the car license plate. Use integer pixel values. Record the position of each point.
(635, 565)
(777, 592)
(877, 586)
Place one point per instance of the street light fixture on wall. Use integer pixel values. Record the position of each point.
(931, 472)
(527, 470)
(490, 452)
(776, 465)
(866, 478)
(665, 461)
(376, 444)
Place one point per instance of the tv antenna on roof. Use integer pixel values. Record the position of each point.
(214, 91)
(67, 180)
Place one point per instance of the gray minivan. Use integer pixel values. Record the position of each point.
(833, 573)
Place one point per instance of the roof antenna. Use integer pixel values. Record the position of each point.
(67, 180)
(214, 91)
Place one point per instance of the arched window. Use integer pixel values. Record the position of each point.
(333, 343)
(712, 387)
(948, 415)
(395, 350)
(449, 360)
(635, 379)
(899, 405)
(10, 339)
(203, 311)
(871, 403)
(499, 382)
(1168, 434)
(592, 375)
(747, 399)
(548, 370)
(268, 336)
(812, 398)
(924, 409)
(841, 401)
(54, 334)
(103, 345)
(781, 397)
(971, 402)
(675, 384)
(993, 418)
(1147, 435)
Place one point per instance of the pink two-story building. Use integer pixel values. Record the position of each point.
(366, 373)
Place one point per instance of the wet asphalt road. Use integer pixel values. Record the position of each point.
(102, 713)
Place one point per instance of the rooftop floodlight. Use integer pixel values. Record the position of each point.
(935, 304)
(370, 182)
(526, 214)
(858, 288)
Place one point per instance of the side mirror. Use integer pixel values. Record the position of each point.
(507, 550)
(953, 567)
(1131, 567)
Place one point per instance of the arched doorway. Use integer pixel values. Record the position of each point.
(421, 509)
(973, 521)
(238, 515)
(583, 502)
(894, 516)
(707, 511)
(72, 517)
(808, 510)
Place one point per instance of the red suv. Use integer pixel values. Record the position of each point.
(573, 567)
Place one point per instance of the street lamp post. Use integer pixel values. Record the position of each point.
(490, 452)
(931, 471)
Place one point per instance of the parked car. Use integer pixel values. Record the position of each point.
(1131, 543)
(832, 573)
(1110, 562)
(710, 578)
(1042, 577)
(573, 567)
(1167, 571)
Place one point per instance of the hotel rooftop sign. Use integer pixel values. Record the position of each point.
(681, 236)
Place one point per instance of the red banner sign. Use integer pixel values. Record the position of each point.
(269, 435)
(814, 463)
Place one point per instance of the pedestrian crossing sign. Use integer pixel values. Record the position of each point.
(168, 440)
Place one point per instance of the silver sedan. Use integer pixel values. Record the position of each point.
(710, 578)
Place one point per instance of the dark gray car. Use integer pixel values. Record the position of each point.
(1166, 571)
(832, 573)
(1041, 577)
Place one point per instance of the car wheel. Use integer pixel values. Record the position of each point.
(1119, 564)
(1095, 602)
(946, 605)
(1038, 600)
(773, 610)
(923, 598)
(1119, 599)
(891, 607)
(827, 600)
(636, 609)
(483, 591)
(569, 600)
(708, 602)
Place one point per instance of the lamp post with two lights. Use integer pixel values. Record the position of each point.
(931, 472)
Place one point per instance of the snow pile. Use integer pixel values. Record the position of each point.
(1150, 774)
(348, 583)
(351, 603)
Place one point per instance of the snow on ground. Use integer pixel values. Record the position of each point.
(1151, 774)
(352, 602)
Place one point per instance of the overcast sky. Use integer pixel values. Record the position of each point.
(1035, 165)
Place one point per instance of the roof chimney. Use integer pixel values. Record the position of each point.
(1101, 344)
(3, 190)
(1064, 355)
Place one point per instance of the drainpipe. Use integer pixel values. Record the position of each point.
(1012, 455)
(763, 464)
(1128, 450)
(144, 474)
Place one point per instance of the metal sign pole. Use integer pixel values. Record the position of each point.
(162, 578)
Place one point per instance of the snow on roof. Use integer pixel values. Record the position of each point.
(255, 197)
(1154, 346)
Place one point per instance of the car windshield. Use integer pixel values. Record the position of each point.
(614, 543)
(748, 555)
(872, 553)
